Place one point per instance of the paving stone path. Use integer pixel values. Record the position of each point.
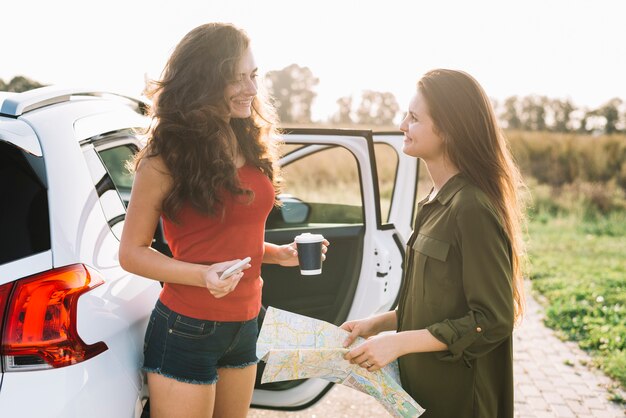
(552, 379)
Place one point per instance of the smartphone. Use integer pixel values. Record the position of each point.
(235, 268)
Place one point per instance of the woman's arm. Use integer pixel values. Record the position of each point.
(416, 341)
(285, 255)
(380, 350)
(151, 185)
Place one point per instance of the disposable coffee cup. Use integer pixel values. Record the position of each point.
(310, 253)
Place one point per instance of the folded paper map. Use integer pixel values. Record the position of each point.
(298, 347)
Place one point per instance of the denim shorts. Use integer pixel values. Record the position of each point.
(191, 350)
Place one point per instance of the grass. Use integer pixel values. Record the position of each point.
(579, 265)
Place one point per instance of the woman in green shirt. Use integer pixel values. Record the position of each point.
(462, 290)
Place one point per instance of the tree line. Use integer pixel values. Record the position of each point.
(293, 91)
(540, 113)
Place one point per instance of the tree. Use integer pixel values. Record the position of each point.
(610, 112)
(292, 90)
(510, 116)
(533, 117)
(561, 112)
(377, 108)
(343, 115)
(19, 84)
(584, 120)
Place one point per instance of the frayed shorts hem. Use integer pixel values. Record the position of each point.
(180, 379)
(239, 366)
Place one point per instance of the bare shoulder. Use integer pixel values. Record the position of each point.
(153, 172)
(154, 167)
(153, 163)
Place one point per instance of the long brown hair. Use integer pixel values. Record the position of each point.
(190, 130)
(464, 118)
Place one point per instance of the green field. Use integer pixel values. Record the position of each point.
(577, 238)
(580, 268)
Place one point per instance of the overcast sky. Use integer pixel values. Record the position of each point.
(559, 48)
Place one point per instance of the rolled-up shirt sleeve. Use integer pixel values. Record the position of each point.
(487, 282)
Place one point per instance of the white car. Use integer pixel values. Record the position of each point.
(72, 320)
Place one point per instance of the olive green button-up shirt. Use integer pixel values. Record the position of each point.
(458, 285)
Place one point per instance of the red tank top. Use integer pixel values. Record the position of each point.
(202, 239)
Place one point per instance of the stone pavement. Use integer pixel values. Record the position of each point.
(551, 380)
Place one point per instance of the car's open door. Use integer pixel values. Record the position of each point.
(358, 190)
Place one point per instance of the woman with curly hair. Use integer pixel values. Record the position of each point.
(463, 289)
(208, 171)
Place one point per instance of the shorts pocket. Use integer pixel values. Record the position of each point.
(187, 327)
(149, 330)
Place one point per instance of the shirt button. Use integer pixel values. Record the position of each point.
(479, 329)
(169, 331)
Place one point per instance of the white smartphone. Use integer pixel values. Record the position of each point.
(235, 268)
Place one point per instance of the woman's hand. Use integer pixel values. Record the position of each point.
(220, 288)
(359, 328)
(287, 255)
(375, 353)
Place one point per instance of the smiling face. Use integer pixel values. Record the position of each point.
(242, 90)
(420, 137)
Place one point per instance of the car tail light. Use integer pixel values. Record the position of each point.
(39, 329)
(5, 292)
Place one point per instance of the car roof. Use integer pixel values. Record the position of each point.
(111, 115)
(17, 104)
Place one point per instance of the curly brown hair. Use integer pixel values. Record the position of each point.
(190, 129)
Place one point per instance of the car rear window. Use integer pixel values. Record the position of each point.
(24, 220)
(115, 160)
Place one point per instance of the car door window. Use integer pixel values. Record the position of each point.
(116, 161)
(327, 183)
(387, 170)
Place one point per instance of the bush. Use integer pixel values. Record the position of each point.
(557, 159)
(601, 205)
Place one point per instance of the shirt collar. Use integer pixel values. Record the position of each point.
(452, 186)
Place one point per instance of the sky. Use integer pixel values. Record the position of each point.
(557, 48)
